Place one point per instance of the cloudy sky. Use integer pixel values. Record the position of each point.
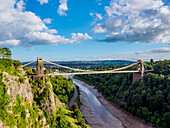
(86, 29)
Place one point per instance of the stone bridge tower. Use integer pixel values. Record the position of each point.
(140, 74)
(140, 67)
(40, 66)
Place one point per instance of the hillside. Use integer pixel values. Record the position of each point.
(40, 104)
(148, 99)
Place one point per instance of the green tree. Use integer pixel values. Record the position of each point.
(151, 61)
(166, 120)
(2, 52)
(145, 113)
(7, 53)
(34, 71)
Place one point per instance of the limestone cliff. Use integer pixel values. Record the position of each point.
(15, 87)
(27, 103)
(50, 101)
(19, 90)
(20, 86)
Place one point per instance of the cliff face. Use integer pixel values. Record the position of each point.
(15, 87)
(50, 101)
(20, 103)
(19, 86)
(25, 103)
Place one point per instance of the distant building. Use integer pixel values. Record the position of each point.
(49, 68)
(56, 70)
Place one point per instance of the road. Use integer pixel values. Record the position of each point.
(74, 97)
(91, 72)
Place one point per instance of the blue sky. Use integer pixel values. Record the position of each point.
(86, 29)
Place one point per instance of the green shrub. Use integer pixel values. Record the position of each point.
(21, 79)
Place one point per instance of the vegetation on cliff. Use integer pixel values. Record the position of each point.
(27, 103)
(148, 99)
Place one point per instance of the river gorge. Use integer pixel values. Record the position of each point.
(101, 113)
(94, 112)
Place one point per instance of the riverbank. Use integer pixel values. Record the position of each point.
(94, 112)
(90, 116)
(126, 119)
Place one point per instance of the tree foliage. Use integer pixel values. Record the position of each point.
(6, 63)
(148, 99)
(5, 53)
(63, 88)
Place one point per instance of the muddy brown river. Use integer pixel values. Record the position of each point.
(99, 109)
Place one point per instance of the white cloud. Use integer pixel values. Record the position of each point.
(91, 14)
(43, 38)
(9, 43)
(18, 27)
(99, 2)
(79, 36)
(52, 31)
(20, 5)
(99, 16)
(136, 21)
(47, 20)
(43, 1)
(156, 54)
(62, 8)
(99, 29)
(168, 44)
(155, 51)
(96, 16)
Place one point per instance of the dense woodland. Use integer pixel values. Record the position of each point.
(148, 99)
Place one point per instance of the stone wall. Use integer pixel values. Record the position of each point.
(137, 76)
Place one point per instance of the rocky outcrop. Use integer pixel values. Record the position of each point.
(58, 102)
(27, 103)
(50, 101)
(1, 124)
(22, 88)
(15, 87)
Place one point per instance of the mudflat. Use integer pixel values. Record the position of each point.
(128, 120)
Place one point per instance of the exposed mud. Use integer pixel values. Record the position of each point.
(125, 118)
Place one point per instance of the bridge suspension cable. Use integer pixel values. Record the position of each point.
(147, 65)
(128, 66)
(88, 70)
(93, 72)
(28, 63)
(65, 66)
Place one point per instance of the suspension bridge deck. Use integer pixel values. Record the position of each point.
(140, 69)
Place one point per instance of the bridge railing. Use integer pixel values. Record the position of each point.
(28, 63)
